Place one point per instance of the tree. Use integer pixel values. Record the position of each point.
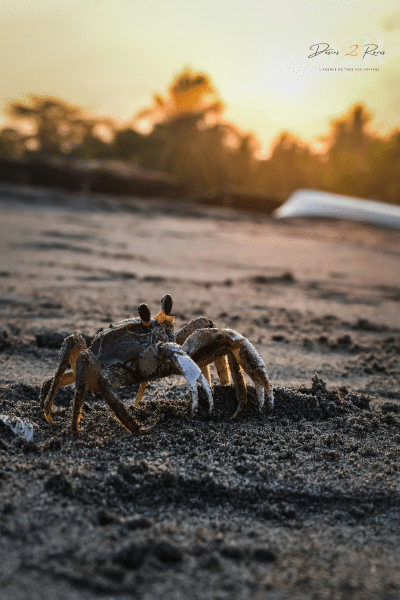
(291, 166)
(384, 181)
(57, 126)
(12, 142)
(189, 94)
(190, 138)
(349, 158)
(129, 144)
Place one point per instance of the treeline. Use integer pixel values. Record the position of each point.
(189, 139)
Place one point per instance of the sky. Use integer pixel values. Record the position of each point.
(111, 56)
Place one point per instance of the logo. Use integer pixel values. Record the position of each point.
(367, 52)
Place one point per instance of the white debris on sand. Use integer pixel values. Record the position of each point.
(19, 427)
(315, 203)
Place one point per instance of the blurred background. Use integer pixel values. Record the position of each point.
(217, 101)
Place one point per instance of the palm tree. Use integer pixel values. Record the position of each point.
(190, 93)
(189, 134)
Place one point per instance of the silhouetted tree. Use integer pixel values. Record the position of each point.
(12, 142)
(131, 145)
(348, 154)
(190, 93)
(58, 127)
(190, 139)
(292, 165)
(242, 161)
(190, 136)
(384, 180)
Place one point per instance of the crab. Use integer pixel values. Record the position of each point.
(145, 348)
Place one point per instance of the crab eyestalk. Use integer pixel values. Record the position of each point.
(166, 304)
(144, 314)
(166, 307)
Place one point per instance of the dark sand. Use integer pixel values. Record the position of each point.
(303, 502)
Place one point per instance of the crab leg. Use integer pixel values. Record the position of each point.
(200, 323)
(121, 412)
(209, 345)
(70, 350)
(206, 372)
(66, 379)
(140, 393)
(239, 384)
(222, 370)
(220, 363)
(251, 362)
(88, 377)
(87, 372)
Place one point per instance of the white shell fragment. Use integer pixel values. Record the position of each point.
(19, 427)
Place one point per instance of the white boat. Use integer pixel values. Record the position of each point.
(314, 203)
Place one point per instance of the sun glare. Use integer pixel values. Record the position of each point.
(289, 78)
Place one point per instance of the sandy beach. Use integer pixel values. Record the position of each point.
(301, 502)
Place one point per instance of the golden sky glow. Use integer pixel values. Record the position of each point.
(111, 56)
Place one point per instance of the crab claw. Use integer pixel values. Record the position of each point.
(184, 365)
(193, 374)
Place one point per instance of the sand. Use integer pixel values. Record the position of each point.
(300, 502)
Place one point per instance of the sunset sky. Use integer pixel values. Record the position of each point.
(111, 56)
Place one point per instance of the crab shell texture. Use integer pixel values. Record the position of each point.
(145, 348)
